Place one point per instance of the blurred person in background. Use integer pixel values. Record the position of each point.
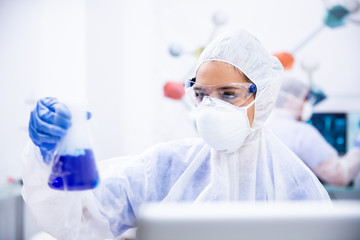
(288, 121)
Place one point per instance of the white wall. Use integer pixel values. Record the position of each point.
(120, 66)
(116, 53)
(42, 53)
(20, 70)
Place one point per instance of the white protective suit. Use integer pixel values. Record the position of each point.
(262, 169)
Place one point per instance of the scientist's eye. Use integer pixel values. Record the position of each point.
(228, 95)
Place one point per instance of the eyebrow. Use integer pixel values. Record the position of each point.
(199, 89)
(227, 88)
(220, 88)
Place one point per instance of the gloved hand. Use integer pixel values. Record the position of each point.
(48, 124)
(357, 142)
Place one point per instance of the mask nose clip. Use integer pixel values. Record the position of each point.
(208, 101)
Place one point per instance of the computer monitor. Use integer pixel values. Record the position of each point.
(234, 221)
(338, 128)
(333, 127)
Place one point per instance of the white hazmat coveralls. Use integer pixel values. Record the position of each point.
(262, 169)
(302, 138)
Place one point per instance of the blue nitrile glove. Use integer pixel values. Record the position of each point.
(357, 141)
(48, 124)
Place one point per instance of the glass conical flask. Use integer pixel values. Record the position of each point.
(74, 167)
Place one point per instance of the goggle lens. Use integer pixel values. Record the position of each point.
(233, 93)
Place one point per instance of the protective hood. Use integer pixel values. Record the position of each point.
(242, 50)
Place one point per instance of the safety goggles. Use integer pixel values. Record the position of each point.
(233, 93)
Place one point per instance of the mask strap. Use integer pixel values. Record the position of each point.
(252, 103)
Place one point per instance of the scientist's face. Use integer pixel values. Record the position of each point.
(214, 72)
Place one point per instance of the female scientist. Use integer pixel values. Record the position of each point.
(234, 88)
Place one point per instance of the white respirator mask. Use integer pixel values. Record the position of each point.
(223, 126)
(307, 111)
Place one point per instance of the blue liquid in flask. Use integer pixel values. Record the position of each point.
(74, 173)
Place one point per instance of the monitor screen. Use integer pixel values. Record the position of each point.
(339, 129)
(333, 127)
(265, 221)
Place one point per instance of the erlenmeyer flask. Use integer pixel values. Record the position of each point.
(74, 167)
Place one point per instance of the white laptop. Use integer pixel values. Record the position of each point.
(232, 221)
